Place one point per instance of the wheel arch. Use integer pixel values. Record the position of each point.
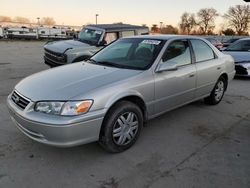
(224, 76)
(132, 97)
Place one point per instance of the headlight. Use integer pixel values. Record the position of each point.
(49, 107)
(76, 108)
(69, 108)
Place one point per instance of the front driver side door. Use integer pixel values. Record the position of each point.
(175, 87)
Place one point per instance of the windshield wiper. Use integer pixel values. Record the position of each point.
(92, 61)
(112, 64)
(107, 63)
(85, 41)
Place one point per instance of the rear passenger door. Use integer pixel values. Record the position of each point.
(208, 67)
(175, 87)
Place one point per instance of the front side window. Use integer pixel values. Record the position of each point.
(178, 52)
(243, 45)
(90, 36)
(202, 51)
(131, 53)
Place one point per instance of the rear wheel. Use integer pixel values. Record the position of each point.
(218, 92)
(121, 127)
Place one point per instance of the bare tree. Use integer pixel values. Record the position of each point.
(155, 28)
(5, 19)
(188, 22)
(169, 29)
(48, 21)
(21, 19)
(206, 18)
(238, 18)
(229, 32)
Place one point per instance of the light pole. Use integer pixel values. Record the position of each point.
(38, 22)
(161, 26)
(37, 29)
(96, 18)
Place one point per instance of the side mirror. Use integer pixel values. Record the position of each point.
(102, 43)
(170, 66)
(75, 36)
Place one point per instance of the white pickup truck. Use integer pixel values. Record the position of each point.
(91, 39)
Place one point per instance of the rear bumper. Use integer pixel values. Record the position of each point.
(59, 135)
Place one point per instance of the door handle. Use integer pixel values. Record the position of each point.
(191, 75)
(218, 68)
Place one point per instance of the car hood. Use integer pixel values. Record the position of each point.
(69, 81)
(239, 57)
(62, 46)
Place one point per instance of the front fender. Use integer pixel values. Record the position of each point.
(112, 100)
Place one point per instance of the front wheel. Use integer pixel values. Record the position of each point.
(121, 127)
(218, 92)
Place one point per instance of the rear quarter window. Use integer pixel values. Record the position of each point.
(202, 51)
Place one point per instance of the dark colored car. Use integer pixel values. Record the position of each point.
(229, 42)
(240, 51)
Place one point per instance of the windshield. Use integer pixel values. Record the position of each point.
(90, 36)
(131, 53)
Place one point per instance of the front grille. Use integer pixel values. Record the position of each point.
(54, 56)
(19, 100)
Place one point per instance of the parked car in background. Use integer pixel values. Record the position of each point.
(240, 51)
(91, 39)
(1, 32)
(229, 42)
(110, 96)
(215, 42)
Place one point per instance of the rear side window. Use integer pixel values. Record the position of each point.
(128, 33)
(202, 51)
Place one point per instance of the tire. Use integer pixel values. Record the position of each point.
(217, 93)
(121, 127)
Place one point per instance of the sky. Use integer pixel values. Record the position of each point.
(81, 12)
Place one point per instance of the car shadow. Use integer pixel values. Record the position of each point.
(242, 78)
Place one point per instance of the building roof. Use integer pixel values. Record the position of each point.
(113, 27)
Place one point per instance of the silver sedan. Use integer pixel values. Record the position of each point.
(109, 97)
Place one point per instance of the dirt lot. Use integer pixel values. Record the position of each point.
(194, 146)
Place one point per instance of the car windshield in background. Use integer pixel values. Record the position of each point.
(90, 36)
(240, 45)
(130, 53)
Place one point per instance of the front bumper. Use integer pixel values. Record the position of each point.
(61, 134)
(242, 70)
(52, 63)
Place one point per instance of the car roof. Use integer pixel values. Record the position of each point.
(246, 38)
(114, 27)
(165, 37)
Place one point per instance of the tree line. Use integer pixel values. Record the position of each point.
(18, 19)
(237, 20)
